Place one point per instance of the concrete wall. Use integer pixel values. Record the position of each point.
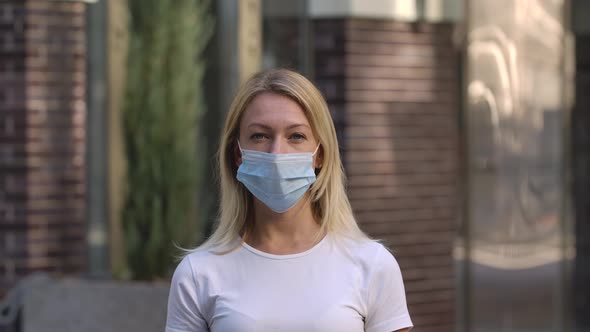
(94, 307)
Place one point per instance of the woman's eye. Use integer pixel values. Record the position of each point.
(297, 137)
(257, 136)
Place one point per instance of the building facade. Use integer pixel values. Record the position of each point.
(462, 124)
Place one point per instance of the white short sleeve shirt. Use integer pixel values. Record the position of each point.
(338, 285)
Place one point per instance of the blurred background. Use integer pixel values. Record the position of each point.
(464, 127)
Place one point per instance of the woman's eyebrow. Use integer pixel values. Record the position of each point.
(295, 125)
(259, 125)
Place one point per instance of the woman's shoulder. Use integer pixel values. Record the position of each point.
(201, 259)
(190, 260)
(374, 261)
(363, 244)
(365, 249)
(199, 256)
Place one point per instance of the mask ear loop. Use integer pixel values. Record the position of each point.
(315, 151)
(240, 147)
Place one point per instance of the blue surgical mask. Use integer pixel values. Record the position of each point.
(278, 180)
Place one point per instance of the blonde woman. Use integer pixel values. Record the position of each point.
(287, 253)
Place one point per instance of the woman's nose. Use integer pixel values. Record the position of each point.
(276, 147)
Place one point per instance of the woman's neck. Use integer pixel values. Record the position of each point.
(293, 231)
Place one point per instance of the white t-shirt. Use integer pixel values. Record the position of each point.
(338, 285)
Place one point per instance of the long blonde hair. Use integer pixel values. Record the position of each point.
(329, 201)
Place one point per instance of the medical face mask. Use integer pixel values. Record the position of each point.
(278, 180)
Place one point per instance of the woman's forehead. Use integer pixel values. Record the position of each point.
(270, 109)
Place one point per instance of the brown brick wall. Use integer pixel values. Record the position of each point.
(393, 89)
(42, 138)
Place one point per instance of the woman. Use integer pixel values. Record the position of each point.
(287, 254)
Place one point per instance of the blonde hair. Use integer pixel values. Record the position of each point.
(329, 201)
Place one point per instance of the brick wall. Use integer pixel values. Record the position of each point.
(42, 138)
(393, 90)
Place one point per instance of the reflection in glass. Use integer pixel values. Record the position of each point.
(514, 134)
(285, 25)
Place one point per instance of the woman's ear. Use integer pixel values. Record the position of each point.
(319, 158)
(237, 154)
